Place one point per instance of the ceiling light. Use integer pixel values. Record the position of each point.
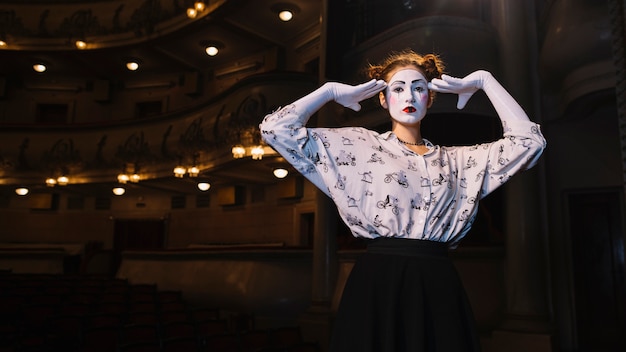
(118, 191)
(204, 186)
(39, 68)
(80, 44)
(132, 65)
(212, 50)
(192, 12)
(50, 182)
(135, 178)
(285, 15)
(285, 11)
(280, 172)
(22, 191)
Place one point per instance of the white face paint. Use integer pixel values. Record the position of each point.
(406, 96)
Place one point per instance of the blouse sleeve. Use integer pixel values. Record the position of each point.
(519, 150)
(285, 131)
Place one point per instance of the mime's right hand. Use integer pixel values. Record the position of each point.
(350, 96)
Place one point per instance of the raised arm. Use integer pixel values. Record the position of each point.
(285, 129)
(344, 94)
(522, 144)
(505, 105)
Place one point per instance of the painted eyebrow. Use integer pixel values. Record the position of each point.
(414, 81)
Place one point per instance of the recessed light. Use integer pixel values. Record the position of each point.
(132, 65)
(285, 15)
(212, 50)
(204, 186)
(22, 191)
(39, 68)
(285, 11)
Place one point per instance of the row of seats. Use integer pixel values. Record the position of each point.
(75, 313)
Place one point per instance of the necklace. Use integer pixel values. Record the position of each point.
(410, 143)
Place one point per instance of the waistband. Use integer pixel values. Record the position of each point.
(406, 246)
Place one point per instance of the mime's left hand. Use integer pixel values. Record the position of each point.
(465, 87)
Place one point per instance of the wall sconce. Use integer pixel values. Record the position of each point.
(21, 191)
(3, 44)
(238, 151)
(193, 171)
(257, 152)
(123, 178)
(51, 182)
(63, 181)
(130, 172)
(118, 191)
(179, 171)
(80, 44)
(198, 6)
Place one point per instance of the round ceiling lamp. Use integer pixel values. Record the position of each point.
(21, 191)
(204, 186)
(132, 65)
(39, 68)
(212, 50)
(285, 15)
(285, 11)
(280, 172)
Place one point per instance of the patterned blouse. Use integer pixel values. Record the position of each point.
(382, 188)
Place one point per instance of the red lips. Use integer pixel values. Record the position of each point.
(409, 109)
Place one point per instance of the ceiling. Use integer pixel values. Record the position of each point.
(45, 30)
(176, 44)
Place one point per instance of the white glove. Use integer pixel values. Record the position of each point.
(350, 96)
(503, 102)
(344, 94)
(464, 87)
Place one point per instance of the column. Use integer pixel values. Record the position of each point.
(317, 321)
(527, 323)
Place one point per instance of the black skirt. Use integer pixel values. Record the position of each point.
(404, 295)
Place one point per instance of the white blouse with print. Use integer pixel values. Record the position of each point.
(382, 188)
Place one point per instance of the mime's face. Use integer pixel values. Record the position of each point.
(406, 96)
